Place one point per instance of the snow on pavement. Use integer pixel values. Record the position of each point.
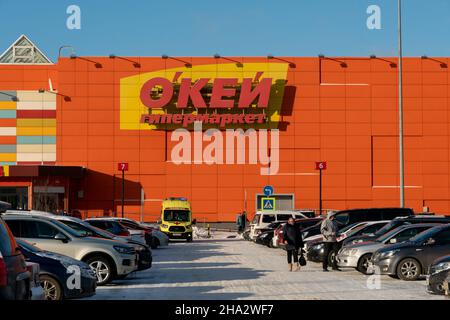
(232, 268)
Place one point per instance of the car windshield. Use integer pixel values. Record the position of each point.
(69, 230)
(86, 229)
(425, 235)
(350, 226)
(256, 219)
(28, 246)
(176, 215)
(355, 230)
(388, 227)
(103, 233)
(387, 236)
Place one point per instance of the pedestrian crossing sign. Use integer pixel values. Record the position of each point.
(268, 204)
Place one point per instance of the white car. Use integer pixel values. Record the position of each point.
(108, 258)
(263, 218)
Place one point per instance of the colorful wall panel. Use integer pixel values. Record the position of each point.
(27, 127)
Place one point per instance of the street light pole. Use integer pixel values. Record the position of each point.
(400, 106)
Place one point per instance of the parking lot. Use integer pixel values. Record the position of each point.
(232, 268)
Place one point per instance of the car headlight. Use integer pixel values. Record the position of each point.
(319, 245)
(387, 254)
(189, 226)
(443, 266)
(124, 250)
(164, 226)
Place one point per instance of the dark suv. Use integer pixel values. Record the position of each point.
(14, 277)
(397, 222)
(347, 217)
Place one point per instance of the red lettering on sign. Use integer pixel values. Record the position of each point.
(187, 90)
(220, 90)
(167, 92)
(262, 89)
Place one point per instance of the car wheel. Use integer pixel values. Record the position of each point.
(363, 263)
(102, 268)
(51, 287)
(408, 269)
(331, 257)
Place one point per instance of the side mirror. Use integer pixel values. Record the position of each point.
(393, 240)
(62, 237)
(194, 221)
(430, 242)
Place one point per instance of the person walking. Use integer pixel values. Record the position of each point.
(329, 230)
(293, 241)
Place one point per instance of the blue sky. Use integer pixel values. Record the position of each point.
(228, 27)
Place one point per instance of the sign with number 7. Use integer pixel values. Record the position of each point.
(122, 166)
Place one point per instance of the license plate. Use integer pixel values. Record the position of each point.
(176, 234)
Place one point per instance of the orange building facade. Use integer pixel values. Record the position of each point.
(342, 110)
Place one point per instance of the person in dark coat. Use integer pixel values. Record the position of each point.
(293, 241)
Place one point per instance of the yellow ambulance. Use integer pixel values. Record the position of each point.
(176, 218)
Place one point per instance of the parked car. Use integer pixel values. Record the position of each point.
(302, 223)
(117, 228)
(265, 238)
(411, 259)
(14, 277)
(437, 273)
(347, 217)
(144, 253)
(399, 221)
(265, 235)
(315, 248)
(55, 273)
(358, 255)
(108, 258)
(262, 219)
(154, 236)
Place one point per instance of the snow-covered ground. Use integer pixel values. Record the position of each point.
(232, 268)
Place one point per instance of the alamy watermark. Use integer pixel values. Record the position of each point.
(74, 19)
(260, 149)
(374, 19)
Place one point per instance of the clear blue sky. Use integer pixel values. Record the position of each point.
(228, 27)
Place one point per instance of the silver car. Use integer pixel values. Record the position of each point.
(358, 255)
(108, 258)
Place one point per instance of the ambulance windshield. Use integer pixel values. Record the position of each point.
(176, 215)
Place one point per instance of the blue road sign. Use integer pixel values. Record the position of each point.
(268, 204)
(268, 191)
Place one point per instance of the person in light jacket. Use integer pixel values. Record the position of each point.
(329, 230)
(293, 241)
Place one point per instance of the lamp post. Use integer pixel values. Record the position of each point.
(400, 106)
